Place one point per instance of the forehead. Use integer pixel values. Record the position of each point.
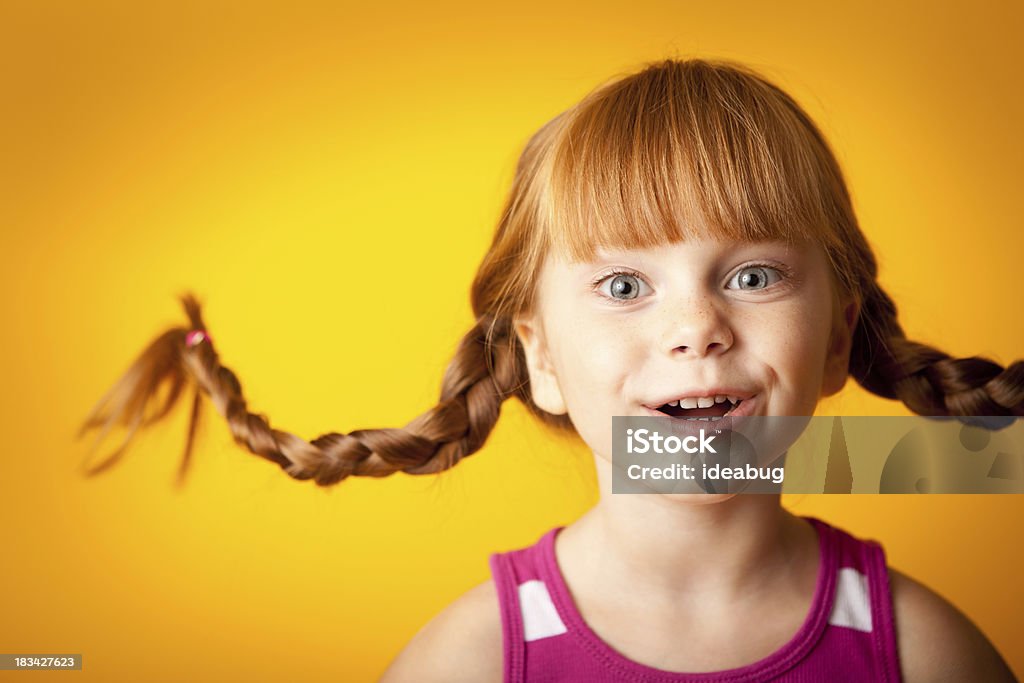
(588, 229)
(706, 249)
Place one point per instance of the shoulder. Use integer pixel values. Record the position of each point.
(936, 641)
(462, 643)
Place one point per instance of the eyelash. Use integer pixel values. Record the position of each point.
(785, 275)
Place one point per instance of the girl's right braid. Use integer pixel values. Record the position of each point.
(479, 378)
(926, 380)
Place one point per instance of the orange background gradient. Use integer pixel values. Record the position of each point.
(326, 178)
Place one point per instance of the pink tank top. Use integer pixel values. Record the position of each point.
(848, 634)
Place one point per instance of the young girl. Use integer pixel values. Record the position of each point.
(681, 236)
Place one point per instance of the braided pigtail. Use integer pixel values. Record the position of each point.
(480, 377)
(928, 381)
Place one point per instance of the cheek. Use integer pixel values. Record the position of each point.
(802, 341)
(594, 360)
(800, 354)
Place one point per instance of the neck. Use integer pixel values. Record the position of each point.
(685, 544)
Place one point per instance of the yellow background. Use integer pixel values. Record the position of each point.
(326, 177)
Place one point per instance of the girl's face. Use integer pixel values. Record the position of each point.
(635, 329)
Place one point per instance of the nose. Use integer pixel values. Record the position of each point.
(697, 328)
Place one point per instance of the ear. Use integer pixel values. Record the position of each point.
(837, 359)
(544, 387)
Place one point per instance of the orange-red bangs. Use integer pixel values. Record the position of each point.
(691, 150)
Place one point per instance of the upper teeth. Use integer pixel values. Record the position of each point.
(703, 401)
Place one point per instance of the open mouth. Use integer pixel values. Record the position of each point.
(708, 408)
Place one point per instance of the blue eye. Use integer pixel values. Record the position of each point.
(624, 287)
(620, 286)
(754, 278)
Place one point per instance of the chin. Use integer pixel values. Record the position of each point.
(699, 498)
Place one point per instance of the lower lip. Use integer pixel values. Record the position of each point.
(746, 407)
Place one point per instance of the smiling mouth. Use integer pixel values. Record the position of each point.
(716, 411)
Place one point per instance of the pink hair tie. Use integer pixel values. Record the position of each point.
(196, 337)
